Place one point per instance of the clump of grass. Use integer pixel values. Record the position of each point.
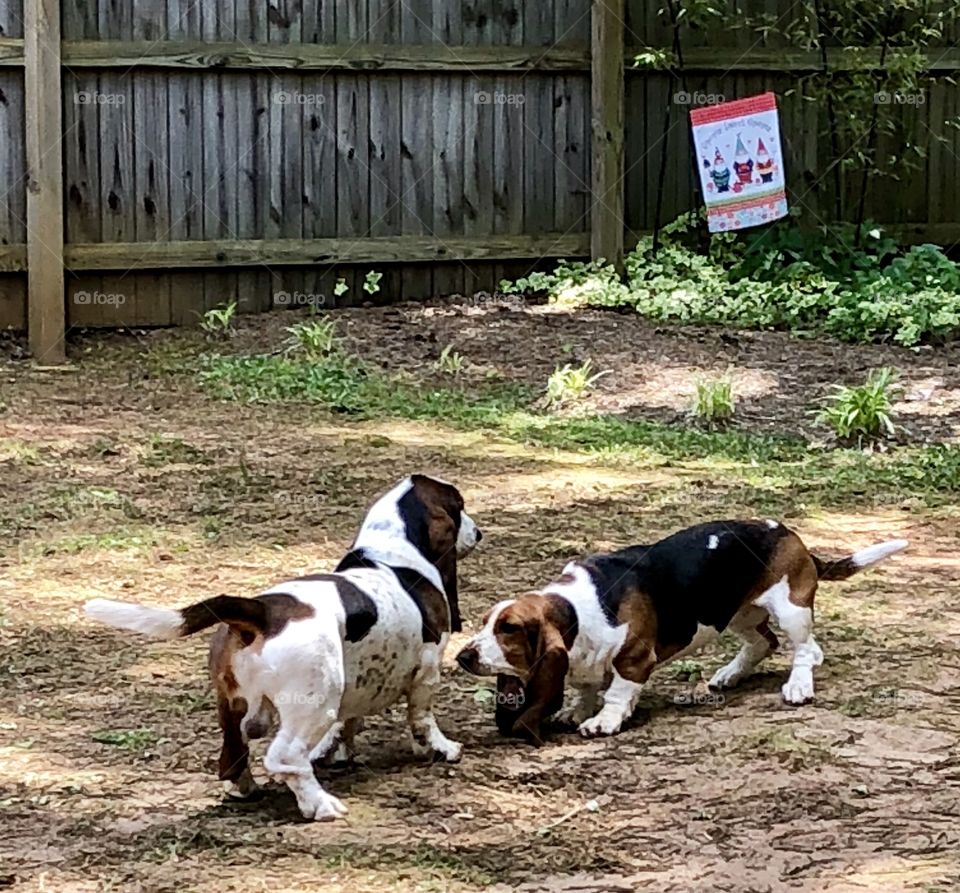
(128, 739)
(569, 384)
(451, 361)
(316, 339)
(714, 403)
(218, 321)
(863, 414)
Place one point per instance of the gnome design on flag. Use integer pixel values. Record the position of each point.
(720, 173)
(765, 164)
(743, 164)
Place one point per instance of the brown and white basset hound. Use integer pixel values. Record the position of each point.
(316, 654)
(610, 619)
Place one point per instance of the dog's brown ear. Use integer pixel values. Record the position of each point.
(550, 638)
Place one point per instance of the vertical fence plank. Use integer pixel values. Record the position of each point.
(44, 101)
(606, 238)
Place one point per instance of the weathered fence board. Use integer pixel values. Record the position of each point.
(234, 150)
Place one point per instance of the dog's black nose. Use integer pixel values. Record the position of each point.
(469, 659)
(479, 534)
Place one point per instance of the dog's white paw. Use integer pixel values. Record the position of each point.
(726, 677)
(324, 808)
(600, 725)
(437, 747)
(798, 691)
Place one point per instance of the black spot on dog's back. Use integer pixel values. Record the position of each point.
(360, 608)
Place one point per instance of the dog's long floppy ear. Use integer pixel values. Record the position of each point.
(447, 565)
(551, 637)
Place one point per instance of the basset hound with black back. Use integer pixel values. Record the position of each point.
(316, 654)
(610, 619)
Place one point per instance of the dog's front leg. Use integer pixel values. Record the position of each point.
(583, 706)
(618, 703)
(427, 739)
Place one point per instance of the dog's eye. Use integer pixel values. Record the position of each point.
(508, 629)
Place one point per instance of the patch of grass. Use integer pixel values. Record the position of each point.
(161, 450)
(71, 545)
(863, 414)
(18, 452)
(685, 670)
(346, 384)
(136, 740)
(451, 361)
(569, 384)
(785, 747)
(316, 338)
(714, 402)
(789, 469)
(218, 321)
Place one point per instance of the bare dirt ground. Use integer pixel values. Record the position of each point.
(118, 484)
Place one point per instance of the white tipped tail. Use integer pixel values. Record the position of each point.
(876, 554)
(159, 623)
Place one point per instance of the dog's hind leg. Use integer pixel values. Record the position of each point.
(792, 607)
(427, 739)
(303, 724)
(234, 763)
(752, 625)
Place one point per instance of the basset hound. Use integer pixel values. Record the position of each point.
(610, 619)
(316, 654)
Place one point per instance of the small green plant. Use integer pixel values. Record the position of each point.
(371, 282)
(316, 339)
(568, 384)
(714, 402)
(218, 321)
(863, 413)
(450, 361)
(341, 288)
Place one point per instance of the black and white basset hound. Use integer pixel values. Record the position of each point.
(314, 655)
(610, 619)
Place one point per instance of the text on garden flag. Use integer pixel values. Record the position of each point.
(741, 165)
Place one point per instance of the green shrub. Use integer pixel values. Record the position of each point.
(862, 413)
(781, 277)
(714, 402)
(569, 384)
(450, 361)
(315, 338)
(218, 321)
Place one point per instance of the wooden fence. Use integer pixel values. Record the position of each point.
(160, 157)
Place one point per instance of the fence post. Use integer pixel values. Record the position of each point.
(43, 102)
(607, 104)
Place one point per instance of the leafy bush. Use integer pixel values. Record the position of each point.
(713, 402)
(782, 277)
(863, 413)
(450, 361)
(315, 338)
(218, 321)
(569, 384)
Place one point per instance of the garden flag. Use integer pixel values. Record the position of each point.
(741, 166)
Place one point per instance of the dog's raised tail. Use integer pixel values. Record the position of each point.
(842, 568)
(245, 614)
